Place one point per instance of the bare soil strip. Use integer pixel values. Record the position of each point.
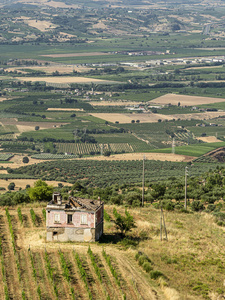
(154, 118)
(77, 54)
(65, 109)
(209, 139)
(149, 156)
(62, 79)
(113, 103)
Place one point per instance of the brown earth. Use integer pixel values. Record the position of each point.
(53, 68)
(40, 25)
(153, 118)
(22, 183)
(139, 156)
(185, 100)
(113, 103)
(65, 109)
(208, 139)
(77, 54)
(62, 79)
(48, 3)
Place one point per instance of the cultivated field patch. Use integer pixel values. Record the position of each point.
(54, 4)
(185, 100)
(209, 139)
(77, 54)
(22, 183)
(65, 109)
(152, 118)
(61, 68)
(113, 103)
(40, 25)
(149, 156)
(64, 79)
(29, 126)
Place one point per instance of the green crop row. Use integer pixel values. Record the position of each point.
(52, 156)
(20, 215)
(50, 274)
(33, 217)
(66, 273)
(82, 273)
(6, 291)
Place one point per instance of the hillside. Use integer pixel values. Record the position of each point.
(190, 265)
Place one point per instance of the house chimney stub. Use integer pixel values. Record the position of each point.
(57, 198)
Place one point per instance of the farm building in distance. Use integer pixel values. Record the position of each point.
(77, 220)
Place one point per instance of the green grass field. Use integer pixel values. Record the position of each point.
(192, 150)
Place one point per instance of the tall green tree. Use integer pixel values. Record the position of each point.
(123, 223)
(41, 191)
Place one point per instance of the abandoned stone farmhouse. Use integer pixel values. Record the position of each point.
(76, 220)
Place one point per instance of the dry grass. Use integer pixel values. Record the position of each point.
(149, 156)
(60, 79)
(54, 4)
(40, 25)
(153, 118)
(65, 109)
(63, 69)
(185, 100)
(113, 103)
(21, 183)
(77, 54)
(191, 258)
(209, 139)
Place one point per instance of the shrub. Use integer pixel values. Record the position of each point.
(25, 160)
(197, 206)
(11, 186)
(147, 266)
(142, 259)
(156, 274)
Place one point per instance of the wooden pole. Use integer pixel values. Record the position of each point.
(143, 182)
(185, 198)
(161, 224)
(164, 224)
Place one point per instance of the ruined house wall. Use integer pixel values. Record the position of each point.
(70, 234)
(76, 219)
(99, 215)
(98, 231)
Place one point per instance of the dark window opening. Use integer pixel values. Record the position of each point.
(69, 218)
(54, 233)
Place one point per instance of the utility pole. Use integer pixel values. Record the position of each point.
(173, 146)
(102, 145)
(75, 135)
(162, 224)
(143, 181)
(185, 198)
